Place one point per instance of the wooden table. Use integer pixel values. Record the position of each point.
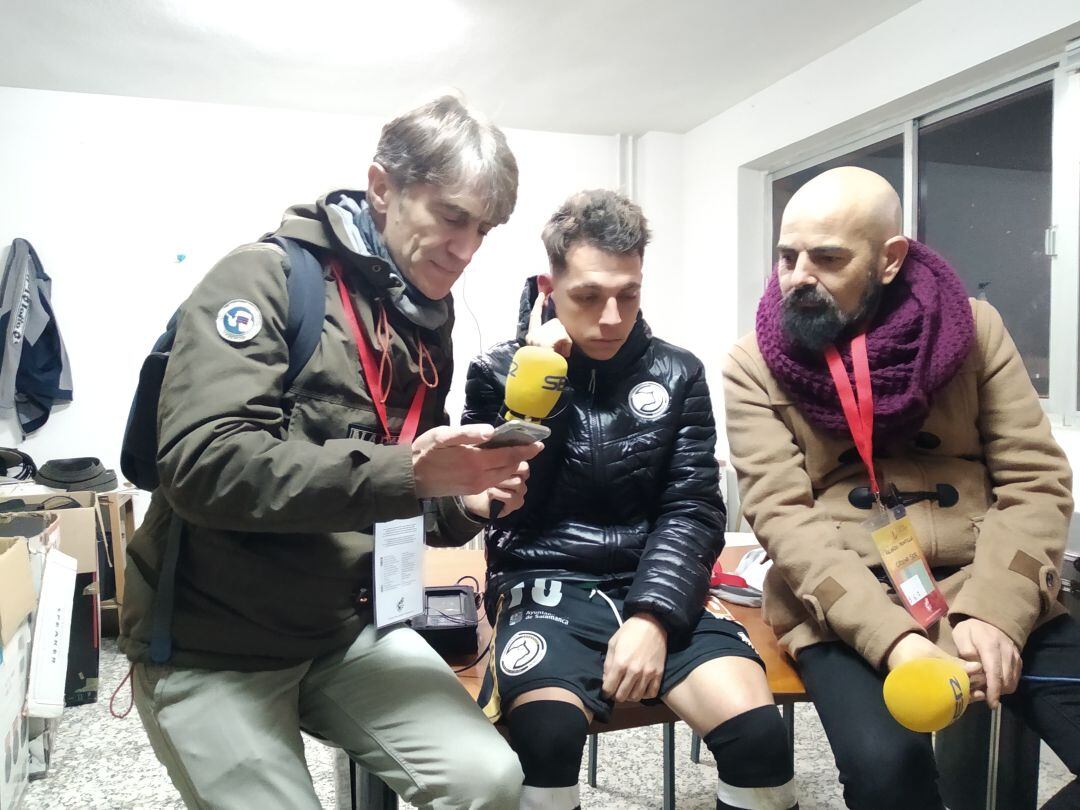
(447, 566)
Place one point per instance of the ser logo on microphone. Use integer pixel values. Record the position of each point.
(552, 382)
(958, 697)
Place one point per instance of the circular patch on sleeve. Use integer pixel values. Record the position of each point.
(649, 400)
(522, 652)
(239, 321)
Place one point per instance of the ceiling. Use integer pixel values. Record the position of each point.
(590, 66)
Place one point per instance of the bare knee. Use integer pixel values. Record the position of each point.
(719, 690)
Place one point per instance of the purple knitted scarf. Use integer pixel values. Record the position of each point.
(921, 335)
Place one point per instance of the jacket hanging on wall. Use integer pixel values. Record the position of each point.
(34, 370)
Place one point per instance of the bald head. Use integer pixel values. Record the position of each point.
(840, 244)
(855, 200)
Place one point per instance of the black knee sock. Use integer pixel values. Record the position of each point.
(753, 762)
(549, 738)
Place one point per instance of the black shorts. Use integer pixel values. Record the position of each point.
(554, 633)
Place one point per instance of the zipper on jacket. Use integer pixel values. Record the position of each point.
(594, 422)
(594, 443)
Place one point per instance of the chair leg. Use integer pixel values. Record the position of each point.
(988, 760)
(695, 748)
(343, 781)
(787, 710)
(593, 750)
(369, 792)
(669, 766)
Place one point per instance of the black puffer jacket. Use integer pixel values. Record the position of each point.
(627, 487)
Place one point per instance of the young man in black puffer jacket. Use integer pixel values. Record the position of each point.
(598, 586)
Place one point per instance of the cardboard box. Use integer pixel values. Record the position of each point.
(79, 521)
(14, 724)
(16, 586)
(79, 525)
(17, 600)
(39, 534)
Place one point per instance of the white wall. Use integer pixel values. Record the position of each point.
(922, 56)
(658, 189)
(109, 190)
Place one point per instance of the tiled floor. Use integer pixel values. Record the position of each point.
(101, 763)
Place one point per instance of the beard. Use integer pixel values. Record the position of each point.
(811, 318)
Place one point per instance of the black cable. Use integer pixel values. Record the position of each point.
(454, 619)
(476, 582)
(476, 660)
(478, 595)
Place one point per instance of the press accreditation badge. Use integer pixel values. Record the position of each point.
(399, 570)
(906, 565)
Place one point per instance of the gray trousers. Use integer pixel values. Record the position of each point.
(231, 740)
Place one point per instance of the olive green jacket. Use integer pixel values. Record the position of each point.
(280, 489)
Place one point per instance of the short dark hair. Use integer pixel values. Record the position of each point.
(451, 146)
(605, 219)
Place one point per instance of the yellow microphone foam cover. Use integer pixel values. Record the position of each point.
(927, 694)
(536, 379)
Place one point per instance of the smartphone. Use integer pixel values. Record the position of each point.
(516, 432)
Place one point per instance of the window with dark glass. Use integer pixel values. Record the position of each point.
(984, 180)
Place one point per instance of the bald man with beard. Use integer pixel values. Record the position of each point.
(958, 437)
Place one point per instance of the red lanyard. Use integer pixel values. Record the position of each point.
(859, 415)
(372, 374)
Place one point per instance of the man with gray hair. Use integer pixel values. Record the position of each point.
(258, 621)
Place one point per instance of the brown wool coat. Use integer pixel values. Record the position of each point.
(998, 550)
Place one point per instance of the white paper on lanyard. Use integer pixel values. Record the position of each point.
(399, 570)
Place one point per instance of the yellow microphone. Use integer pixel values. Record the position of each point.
(927, 694)
(536, 380)
(534, 383)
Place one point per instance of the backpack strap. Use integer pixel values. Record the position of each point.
(161, 628)
(307, 305)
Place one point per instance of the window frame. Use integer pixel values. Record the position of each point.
(1065, 260)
